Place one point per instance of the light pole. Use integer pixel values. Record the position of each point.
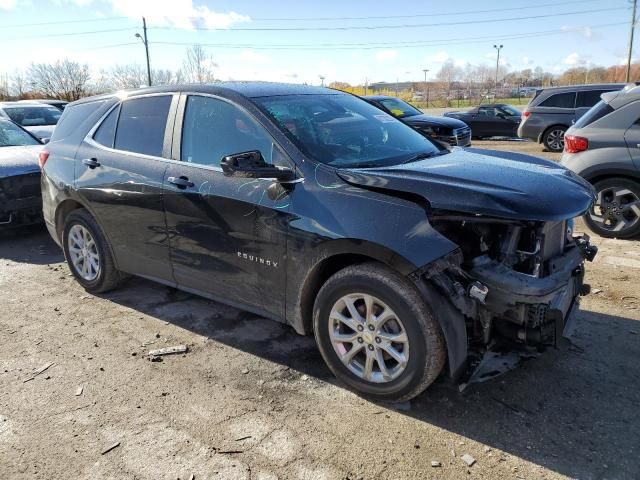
(426, 87)
(321, 80)
(498, 48)
(145, 42)
(633, 26)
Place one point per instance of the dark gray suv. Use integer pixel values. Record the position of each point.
(553, 110)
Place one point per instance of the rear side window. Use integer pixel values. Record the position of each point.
(560, 100)
(73, 117)
(589, 98)
(142, 124)
(107, 129)
(600, 110)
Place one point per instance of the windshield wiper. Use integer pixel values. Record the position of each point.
(421, 156)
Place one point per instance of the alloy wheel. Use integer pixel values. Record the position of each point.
(83, 252)
(369, 338)
(555, 139)
(616, 209)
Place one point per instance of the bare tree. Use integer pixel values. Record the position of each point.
(198, 65)
(17, 84)
(448, 73)
(121, 77)
(64, 79)
(167, 77)
(4, 87)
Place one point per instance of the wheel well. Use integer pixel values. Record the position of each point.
(605, 176)
(62, 211)
(318, 276)
(541, 139)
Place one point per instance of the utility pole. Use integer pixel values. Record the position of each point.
(426, 87)
(498, 48)
(145, 42)
(321, 80)
(633, 26)
(366, 85)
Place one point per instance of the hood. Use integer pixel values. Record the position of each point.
(19, 160)
(429, 121)
(499, 184)
(41, 131)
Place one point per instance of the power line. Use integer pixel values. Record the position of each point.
(378, 45)
(71, 34)
(404, 26)
(466, 12)
(62, 22)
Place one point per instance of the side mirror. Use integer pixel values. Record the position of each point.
(252, 165)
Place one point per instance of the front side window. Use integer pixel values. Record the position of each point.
(509, 111)
(13, 136)
(34, 116)
(560, 100)
(489, 111)
(399, 108)
(213, 129)
(142, 124)
(345, 131)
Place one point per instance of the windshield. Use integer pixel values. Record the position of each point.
(33, 116)
(13, 136)
(344, 131)
(509, 110)
(399, 108)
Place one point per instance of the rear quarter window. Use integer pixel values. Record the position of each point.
(599, 110)
(73, 117)
(588, 98)
(560, 100)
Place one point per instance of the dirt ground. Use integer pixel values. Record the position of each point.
(252, 400)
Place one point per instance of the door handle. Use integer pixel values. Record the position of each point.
(91, 162)
(180, 182)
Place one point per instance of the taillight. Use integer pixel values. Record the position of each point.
(526, 114)
(42, 158)
(574, 144)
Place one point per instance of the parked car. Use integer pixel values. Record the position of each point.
(20, 199)
(604, 148)
(37, 118)
(59, 104)
(448, 130)
(552, 111)
(490, 120)
(312, 207)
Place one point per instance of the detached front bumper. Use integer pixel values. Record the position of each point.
(20, 200)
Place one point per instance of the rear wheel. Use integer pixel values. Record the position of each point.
(553, 138)
(87, 253)
(616, 212)
(377, 334)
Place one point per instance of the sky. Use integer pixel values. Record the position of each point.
(302, 40)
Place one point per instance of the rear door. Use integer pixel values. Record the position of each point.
(227, 234)
(119, 174)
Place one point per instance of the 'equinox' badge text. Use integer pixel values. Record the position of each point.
(256, 259)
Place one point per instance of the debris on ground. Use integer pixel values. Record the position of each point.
(168, 350)
(79, 390)
(435, 464)
(494, 364)
(245, 371)
(39, 371)
(468, 459)
(109, 448)
(242, 438)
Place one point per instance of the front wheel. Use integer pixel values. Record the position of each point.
(616, 212)
(377, 334)
(553, 139)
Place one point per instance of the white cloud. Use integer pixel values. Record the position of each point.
(7, 4)
(586, 32)
(177, 13)
(573, 59)
(439, 57)
(386, 55)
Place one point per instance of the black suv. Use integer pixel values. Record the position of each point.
(312, 207)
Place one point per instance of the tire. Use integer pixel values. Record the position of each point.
(616, 213)
(106, 275)
(553, 138)
(406, 311)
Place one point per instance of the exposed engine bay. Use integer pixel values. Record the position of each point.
(515, 282)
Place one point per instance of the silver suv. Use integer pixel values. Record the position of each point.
(604, 148)
(553, 110)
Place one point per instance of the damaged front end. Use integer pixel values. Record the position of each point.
(511, 283)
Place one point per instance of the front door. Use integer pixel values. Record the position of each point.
(119, 173)
(227, 234)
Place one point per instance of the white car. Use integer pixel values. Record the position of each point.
(37, 118)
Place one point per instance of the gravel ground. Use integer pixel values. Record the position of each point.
(252, 400)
